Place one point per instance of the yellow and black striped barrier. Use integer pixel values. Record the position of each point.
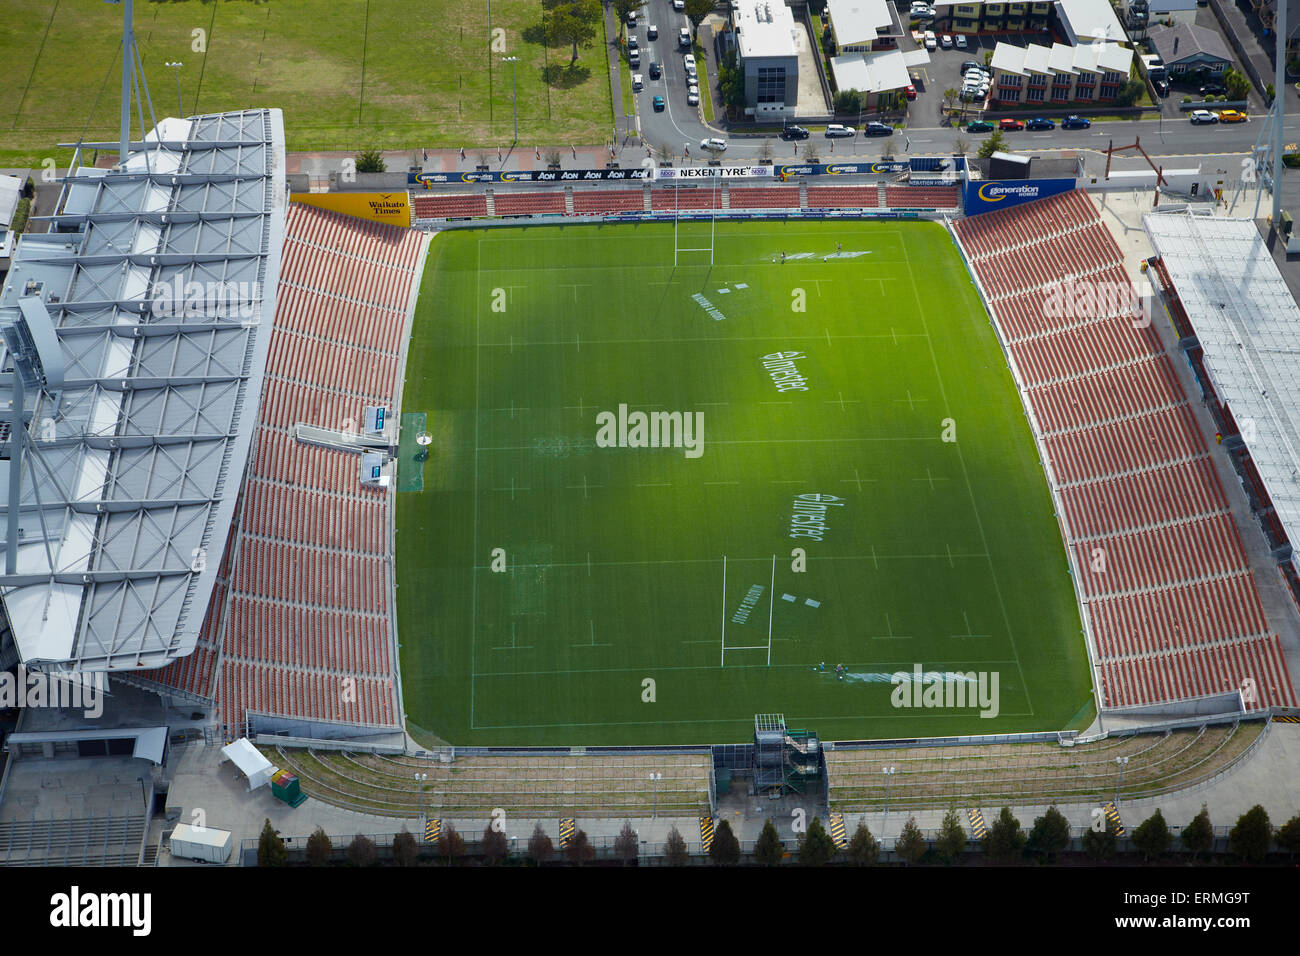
(1287, 719)
(567, 827)
(977, 827)
(1113, 816)
(706, 832)
(837, 830)
(432, 829)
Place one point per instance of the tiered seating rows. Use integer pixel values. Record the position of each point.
(514, 204)
(295, 692)
(303, 516)
(446, 207)
(921, 197)
(312, 576)
(769, 197)
(690, 197)
(1175, 612)
(269, 631)
(840, 197)
(588, 202)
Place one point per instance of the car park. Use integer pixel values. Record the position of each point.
(1202, 116)
(652, 32)
(638, 83)
(931, 41)
(793, 132)
(979, 126)
(659, 104)
(945, 41)
(1011, 124)
(1039, 123)
(961, 41)
(877, 129)
(1231, 116)
(656, 70)
(713, 145)
(835, 130)
(1075, 122)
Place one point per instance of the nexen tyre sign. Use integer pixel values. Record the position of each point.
(994, 194)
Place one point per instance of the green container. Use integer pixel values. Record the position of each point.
(723, 780)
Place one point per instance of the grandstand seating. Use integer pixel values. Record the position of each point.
(921, 197)
(550, 202)
(596, 202)
(302, 602)
(687, 197)
(843, 197)
(1162, 574)
(460, 205)
(764, 197)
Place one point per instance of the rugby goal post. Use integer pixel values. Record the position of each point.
(713, 222)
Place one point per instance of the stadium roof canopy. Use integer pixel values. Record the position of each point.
(146, 313)
(1248, 325)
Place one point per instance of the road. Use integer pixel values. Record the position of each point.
(1170, 137)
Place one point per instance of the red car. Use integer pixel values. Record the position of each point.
(1012, 124)
(910, 90)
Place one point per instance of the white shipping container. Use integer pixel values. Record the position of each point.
(207, 844)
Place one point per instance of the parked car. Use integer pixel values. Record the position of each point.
(652, 32)
(634, 58)
(638, 82)
(693, 96)
(1214, 89)
(945, 41)
(961, 41)
(689, 62)
(631, 18)
(1039, 123)
(931, 41)
(684, 38)
(1011, 124)
(968, 65)
(1203, 116)
(1162, 87)
(793, 132)
(1231, 116)
(659, 104)
(909, 91)
(922, 11)
(837, 130)
(679, 4)
(1076, 122)
(656, 70)
(878, 129)
(713, 145)
(979, 126)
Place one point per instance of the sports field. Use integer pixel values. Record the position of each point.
(651, 595)
(349, 74)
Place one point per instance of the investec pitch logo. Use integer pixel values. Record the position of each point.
(996, 192)
(809, 515)
(636, 429)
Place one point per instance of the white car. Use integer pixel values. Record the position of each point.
(713, 145)
(931, 41)
(689, 61)
(638, 82)
(945, 41)
(679, 4)
(835, 130)
(652, 32)
(684, 38)
(631, 42)
(693, 96)
(961, 41)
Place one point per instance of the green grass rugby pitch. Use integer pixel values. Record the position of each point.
(558, 583)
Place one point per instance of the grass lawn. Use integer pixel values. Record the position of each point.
(349, 74)
(612, 617)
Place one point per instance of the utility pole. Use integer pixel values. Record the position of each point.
(512, 60)
(177, 67)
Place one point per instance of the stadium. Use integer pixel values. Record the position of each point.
(742, 478)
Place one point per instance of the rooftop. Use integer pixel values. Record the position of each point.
(860, 21)
(766, 28)
(1183, 40)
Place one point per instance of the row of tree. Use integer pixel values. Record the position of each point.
(1005, 842)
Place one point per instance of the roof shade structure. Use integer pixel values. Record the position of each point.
(152, 296)
(1248, 326)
